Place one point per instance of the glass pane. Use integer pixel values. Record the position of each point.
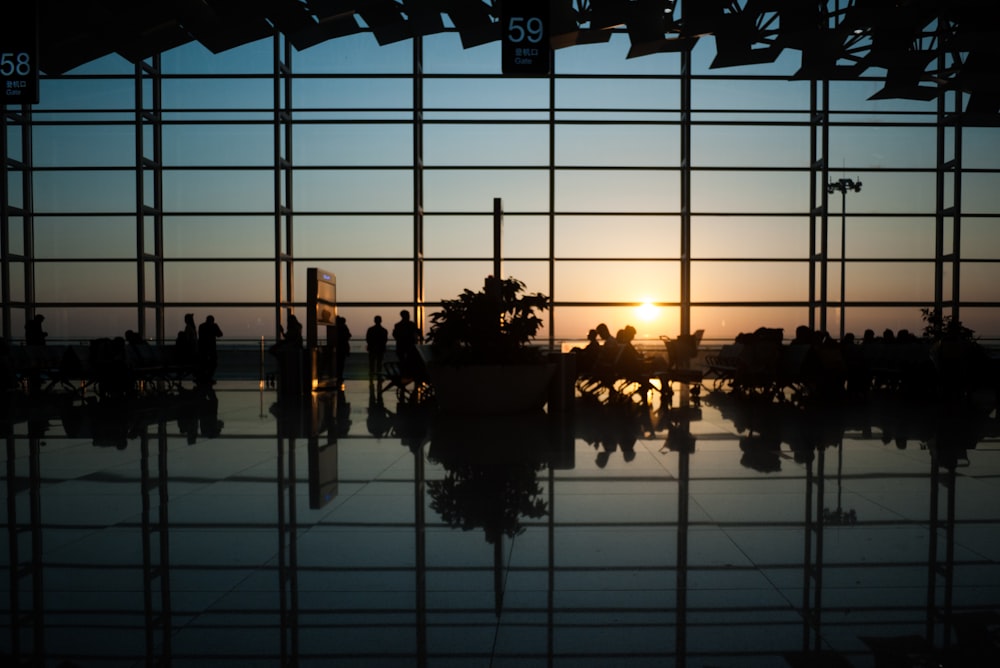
(618, 145)
(447, 280)
(72, 192)
(882, 147)
(746, 237)
(73, 146)
(749, 146)
(759, 95)
(473, 190)
(353, 190)
(980, 281)
(85, 282)
(226, 282)
(454, 236)
(355, 94)
(84, 237)
(218, 236)
(355, 144)
(750, 192)
(229, 94)
(979, 193)
(749, 281)
(618, 281)
(71, 94)
(525, 236)
(980, 147)
(625, 94)
(446, 95)
(897, 281)
(218, 190)
(909, 237)
(486, 144)
(353, 236)
(626, 191)
(979, 238)
(617, 236)
(230, 145)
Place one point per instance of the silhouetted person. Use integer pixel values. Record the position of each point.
(187, 340)
(586, 356)
(803, 335)
(376, 340)
(34, 335)
(208, 356)
(406, 335)
(293, 332)
(343, 334)
(133, 339)
(604, 333)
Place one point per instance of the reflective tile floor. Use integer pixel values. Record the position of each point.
(231, 529)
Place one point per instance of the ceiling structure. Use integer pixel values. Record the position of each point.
(925, 48)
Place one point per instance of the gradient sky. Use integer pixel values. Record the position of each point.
(616, 192)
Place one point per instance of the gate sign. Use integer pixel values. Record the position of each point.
(525, 48)
(19, 54)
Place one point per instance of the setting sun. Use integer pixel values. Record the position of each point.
(647, 311)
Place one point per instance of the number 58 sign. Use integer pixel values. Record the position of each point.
(19, 56)
(525, 48)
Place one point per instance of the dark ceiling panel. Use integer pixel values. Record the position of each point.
(904, 38)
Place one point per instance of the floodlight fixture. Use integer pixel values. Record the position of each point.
(843, 186)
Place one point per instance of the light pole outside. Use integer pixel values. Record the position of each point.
(843, 185)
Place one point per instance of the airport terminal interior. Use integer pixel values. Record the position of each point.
(788, 455)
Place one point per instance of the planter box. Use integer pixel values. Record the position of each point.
(483, 389)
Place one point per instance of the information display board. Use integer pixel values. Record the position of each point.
(525, 49)
(19, 53)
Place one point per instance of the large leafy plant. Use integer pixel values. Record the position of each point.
(492, 326)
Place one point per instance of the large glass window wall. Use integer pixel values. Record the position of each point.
(210, 182)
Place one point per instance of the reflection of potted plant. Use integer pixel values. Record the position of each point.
(494, 485)
(480, 358)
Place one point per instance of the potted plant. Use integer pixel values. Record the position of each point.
(480, 358)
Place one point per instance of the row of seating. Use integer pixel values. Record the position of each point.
(762, 363)
(621, 370)
(111, 366)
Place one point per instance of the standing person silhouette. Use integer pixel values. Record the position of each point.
(376, 340)
(208, 357)
(187, 340)
(406, 334)
(343, 334)
(34, 335)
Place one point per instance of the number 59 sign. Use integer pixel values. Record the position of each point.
(525, 48)
(19, 56)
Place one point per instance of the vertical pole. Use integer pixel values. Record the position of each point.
(685, 194)
(497, 238)
(843, 257)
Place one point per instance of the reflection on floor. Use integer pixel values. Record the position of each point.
(226, 528)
